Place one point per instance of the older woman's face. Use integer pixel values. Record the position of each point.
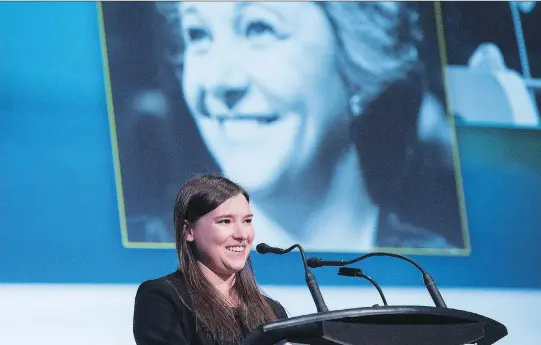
(262, 83)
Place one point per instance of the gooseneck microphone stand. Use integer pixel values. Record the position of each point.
(381, 325)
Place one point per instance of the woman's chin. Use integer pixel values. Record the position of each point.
(254, 179)
(235, 267)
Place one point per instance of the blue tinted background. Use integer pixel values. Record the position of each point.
(58, 210)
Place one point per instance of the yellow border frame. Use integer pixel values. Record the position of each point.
(414, 251)
(114, 144)
(456, 152)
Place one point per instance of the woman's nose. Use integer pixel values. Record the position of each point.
(228, 81)
(230, 96)
(241, 232)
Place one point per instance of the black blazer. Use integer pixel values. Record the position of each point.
(162, 314)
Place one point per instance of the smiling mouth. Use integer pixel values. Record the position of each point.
(260, 119)
(236, 249)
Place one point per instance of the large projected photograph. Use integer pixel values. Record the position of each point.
(333, 116)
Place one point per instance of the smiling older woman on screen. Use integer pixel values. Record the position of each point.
(322, 101)
(213, 298)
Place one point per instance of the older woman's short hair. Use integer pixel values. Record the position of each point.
(378, 43)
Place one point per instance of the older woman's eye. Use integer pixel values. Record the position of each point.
(259, 28)
(197, 39)
(196, 34)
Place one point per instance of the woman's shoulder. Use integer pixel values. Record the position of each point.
(171, 287)
(277, 308)
(163, 282)
(161, 312)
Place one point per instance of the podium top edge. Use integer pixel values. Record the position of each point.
(390, 311)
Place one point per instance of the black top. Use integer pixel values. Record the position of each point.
(163, 316)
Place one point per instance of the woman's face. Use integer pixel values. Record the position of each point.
(262, 83)
(224, 236)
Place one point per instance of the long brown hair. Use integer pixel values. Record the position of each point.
(214, 315)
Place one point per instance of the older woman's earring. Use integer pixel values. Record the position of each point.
(355, 105)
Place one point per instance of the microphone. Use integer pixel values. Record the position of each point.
(264, 248)
(357, 272)
(313, 286)
(427, 279)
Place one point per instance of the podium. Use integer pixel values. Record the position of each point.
(392, 325)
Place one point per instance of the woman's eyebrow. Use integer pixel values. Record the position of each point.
(230, 215)
(188, 9)
(241, 6)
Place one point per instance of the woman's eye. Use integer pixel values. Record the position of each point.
(197, 39)
(249, 221)
(259, 28)
(196, 34)
(224, 221)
